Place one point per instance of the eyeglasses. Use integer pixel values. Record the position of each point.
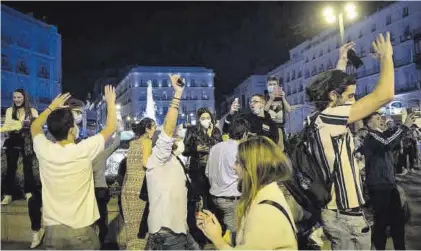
(254, 102)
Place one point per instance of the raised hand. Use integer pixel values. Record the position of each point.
(59, 101)
(109, 94)
(235, 106)
(174, 78)
(382, 46)
(343, 51)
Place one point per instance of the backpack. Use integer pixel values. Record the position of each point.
(310, 185)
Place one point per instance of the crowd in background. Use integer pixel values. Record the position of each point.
(240, 183)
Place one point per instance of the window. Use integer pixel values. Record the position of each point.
(373, 27)
(337, 44)
(314, 71)
(287, 77)
(5, 63)
(281, 81)
(329, 65)
(154, 83)
(299, 74)
(293, 75)
(43, 71)
(388, 19)
(164, 96)
(192, 83)
(321, 53)
(328, 49)
(314, 56)
(307, 74)
(306, 60)
(21, 67)
(165, 83)
(360, 34)
(405, 12)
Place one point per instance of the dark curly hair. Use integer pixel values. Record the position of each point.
(59, 123)
(140, 128)
(334, 80)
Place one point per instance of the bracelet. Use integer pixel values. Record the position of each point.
(176, 98)
(49, 109)
(174, 107)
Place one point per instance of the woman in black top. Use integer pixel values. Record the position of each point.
(18, 143)
(198, 141)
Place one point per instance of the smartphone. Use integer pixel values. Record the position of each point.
(354, 59)
(181, 82)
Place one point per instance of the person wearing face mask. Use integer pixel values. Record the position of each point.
(261, 123)
(18, 121)
(277, 106)
(198, 141)
(168, 185)
(133, 208)
(78, 110)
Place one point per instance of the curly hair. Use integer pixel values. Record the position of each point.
(334, 80)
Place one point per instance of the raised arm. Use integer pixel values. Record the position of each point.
(385, 89)
(58, 102)
(170, 121)
(343, 56)
(111, 124)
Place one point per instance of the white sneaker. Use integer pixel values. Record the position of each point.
(28, 196)
(6, 200)
(37, 238)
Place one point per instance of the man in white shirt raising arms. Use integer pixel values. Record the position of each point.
(69, 206)
(168, 185)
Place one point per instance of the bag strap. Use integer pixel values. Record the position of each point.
(283, 211)
(184, 170)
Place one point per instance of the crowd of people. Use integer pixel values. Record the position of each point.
(225, 184)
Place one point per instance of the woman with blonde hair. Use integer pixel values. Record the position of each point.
(264, 218)
(133, 207)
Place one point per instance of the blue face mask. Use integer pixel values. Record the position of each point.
(270, 88)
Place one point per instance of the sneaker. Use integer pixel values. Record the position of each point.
(6, 200)
(37, 238)
(28, 196)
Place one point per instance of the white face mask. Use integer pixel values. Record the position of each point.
(257, 110)
(270, 88)
(205, 123)
(180, 148)
(78, 118)
(181, 133)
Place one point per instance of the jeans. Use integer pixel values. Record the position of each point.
(166, 239)
(102, 195)
(62, 237)
(346, 232)
(388, 211)
(227, 207)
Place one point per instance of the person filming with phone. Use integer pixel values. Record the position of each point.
(261, 123)
(277, 106)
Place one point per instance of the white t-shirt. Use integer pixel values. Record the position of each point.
(68, 194)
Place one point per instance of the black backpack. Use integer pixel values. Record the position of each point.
(309, 185)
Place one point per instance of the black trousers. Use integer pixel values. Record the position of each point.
(12, 156)
(34, 210)
(102, 195)
(388, 211)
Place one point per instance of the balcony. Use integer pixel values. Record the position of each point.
(405, 37)
(407, 88)
(402, 62)
(368, 72)
(417, 34)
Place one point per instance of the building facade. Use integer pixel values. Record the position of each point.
(401, 19)
(132, 93)
(30, 58)
(255, 84)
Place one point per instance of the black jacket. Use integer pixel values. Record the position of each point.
(378, 149)
(262, 126)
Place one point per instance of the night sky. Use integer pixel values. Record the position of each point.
(235, 39)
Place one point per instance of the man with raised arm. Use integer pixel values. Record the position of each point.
(69, 206)
(333, 93)
(168, 185)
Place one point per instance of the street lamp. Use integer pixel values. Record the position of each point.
(118, 106)
(331, 16)
(128, 118)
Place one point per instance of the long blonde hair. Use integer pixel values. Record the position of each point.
(262, 163)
